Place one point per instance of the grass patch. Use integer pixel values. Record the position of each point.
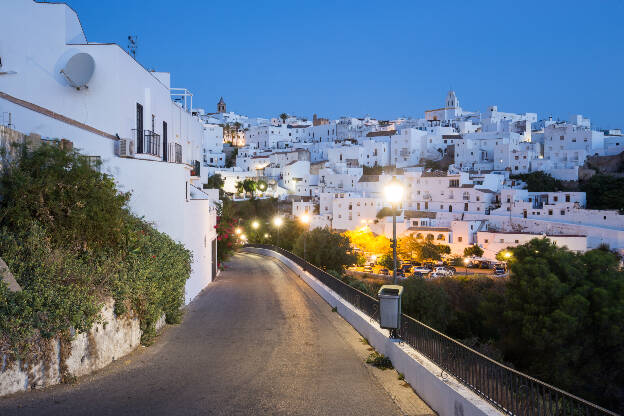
(380, 361)
(335, 309)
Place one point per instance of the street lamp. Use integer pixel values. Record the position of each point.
(255, 225)
(238, 231)
(394, 194)
(466, 261)
(278, 221)
(305, 220)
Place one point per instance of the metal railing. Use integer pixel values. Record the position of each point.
(147, 142)
(174, 153)
(511, 391)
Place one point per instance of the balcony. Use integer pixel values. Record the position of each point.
(147, 142)
(174, 153)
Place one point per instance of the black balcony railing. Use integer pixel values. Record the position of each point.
(511, 391)
(147, 142)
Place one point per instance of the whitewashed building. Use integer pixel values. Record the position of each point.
(55, 83)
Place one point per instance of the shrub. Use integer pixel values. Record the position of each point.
(70, 241)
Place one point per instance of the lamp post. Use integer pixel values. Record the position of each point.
(278, 221)
(305, 220)
(466, 261)
(394, 194)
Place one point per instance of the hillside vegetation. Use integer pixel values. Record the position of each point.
(69, 239)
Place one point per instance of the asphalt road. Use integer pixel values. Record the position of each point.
(255, 342)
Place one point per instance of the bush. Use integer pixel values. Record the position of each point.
(70, 241)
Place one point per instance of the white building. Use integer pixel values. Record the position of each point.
(57, 84)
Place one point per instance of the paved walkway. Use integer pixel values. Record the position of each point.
(258, 341)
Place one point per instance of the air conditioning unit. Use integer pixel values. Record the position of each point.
(126, 148)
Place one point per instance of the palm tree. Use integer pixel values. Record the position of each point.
(283, 116)
(239, 188)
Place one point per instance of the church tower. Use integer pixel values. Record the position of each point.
(221, 106)
(451, 100)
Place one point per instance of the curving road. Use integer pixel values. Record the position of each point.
(258, 341)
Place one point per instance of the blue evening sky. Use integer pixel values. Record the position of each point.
(383, 58)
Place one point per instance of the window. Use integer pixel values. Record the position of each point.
(550, 212)
(459, 239)
(516, 241)
(486, 241)
(562, 212)
(567, 198)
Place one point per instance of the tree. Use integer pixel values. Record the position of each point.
(283, 116)
(387, 260)
(261, 185)
(215, 182)
(240, 188)
(250, 186)
(604, 192)
(387, 212)
(428, 251)
(473, 251)
(539, 182)
(367, 241)
(563, 319)
(326, 249)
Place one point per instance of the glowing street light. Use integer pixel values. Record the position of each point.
(266, 235)
(394, 194)
(394, 191)
(278, 221)
(255, 225)
(507, 254)
(466, 261)
(238, 231)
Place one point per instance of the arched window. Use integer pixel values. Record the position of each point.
(419, 236)
(441, 237)
(430, 237)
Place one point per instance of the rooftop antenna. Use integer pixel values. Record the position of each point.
(132, 45)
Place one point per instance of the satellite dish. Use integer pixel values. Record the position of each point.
(79, 70)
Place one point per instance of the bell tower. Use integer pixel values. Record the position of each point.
(221, 106)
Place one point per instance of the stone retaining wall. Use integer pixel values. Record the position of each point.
(105, 343)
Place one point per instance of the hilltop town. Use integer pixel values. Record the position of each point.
(462, 171)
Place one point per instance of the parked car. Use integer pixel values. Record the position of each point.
(499, 271)
(400, 273)
(437, 275)
(407, 268)
(368, 269)
(423, 270)
(417, 274)
(443, 270)
(384, 272)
